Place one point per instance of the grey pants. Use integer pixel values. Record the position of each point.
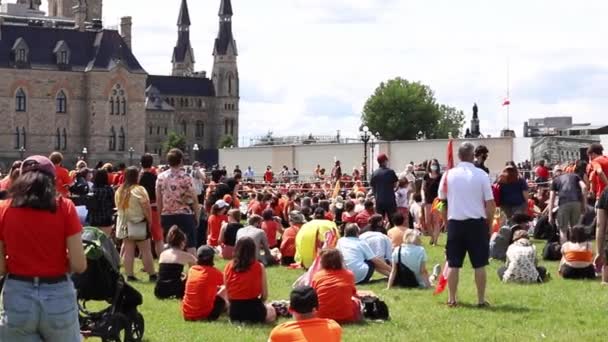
(568, 215)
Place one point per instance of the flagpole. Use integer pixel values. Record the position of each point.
(508, 91)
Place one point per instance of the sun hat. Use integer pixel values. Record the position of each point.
(38, 163)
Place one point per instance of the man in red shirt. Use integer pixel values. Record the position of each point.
(599, 169)
(362, 219)
(268, 175)
(542, 172)
(63, 181)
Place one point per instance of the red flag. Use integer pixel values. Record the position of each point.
(506, 102)
(443, 280)
(450, 154)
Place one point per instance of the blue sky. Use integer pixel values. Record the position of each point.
(309, 65)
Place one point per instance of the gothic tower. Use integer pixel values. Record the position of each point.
(226, 75)
(183, 54)
(64, 8)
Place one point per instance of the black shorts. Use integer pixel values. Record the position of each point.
(569, 272)
(247, 311)
(287, 260)
(469, 236)
(185, 222)
(370, 272)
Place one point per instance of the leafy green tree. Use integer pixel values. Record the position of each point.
(399, 109)
(175, 140)
(226, 141)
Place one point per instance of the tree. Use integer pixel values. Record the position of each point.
(175, 140)
(399, 109)
(226, 141)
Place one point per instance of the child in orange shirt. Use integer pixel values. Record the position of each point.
(216, 219)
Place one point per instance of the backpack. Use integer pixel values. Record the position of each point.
(80, 187)
(405, 277)
(374, 308)
(552, 251)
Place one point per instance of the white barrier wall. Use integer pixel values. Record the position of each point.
(306, 157)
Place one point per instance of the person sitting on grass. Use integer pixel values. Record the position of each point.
(396, 233)
(205, 295)
(312, 236)
(359, 257)
(522, 263)
(501, 240)
(170, 283)
(215, 221)
(362, 218)
(288, 242)
(375, 236)
(577, 256)
(255, 232)
(247, 286)
(335, 287)
(271, 227)
(413, 258)
(303, 305)
(228, 233)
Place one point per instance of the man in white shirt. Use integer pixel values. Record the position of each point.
(470, 209)
(249, 174)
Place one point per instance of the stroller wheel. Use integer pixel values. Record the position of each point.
(118, 329)
(137, 328)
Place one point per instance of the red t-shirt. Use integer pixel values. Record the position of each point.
(347, 218)
(271, 228)
(243, 285)
(214, 226)
(268, 176)
(335, 290)
(542, 172)
(258, 208)
(597, 185)
(35, 240)
(288, 243)
(362, 219)
(201, 289)
(62, 181)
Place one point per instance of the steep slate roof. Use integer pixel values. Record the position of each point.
(182, 47)
(184, 15)
(224, 39)
(225, 8)
(177, 85)
(92, 49)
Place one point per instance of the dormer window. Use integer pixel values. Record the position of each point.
(63, 57)
(62, 53)
(21, 52)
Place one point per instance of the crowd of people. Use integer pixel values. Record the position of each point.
(340, 231)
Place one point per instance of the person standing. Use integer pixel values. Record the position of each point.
(336, 172)
(384, 183)
(249, 175)
(176, 199)
(40, 243)
(147, 179)
(268, 175)
(513, 192)
(599, 169)
(568, 187)
(470, 210)
(63, 181)
(481, 156)
(601, 247)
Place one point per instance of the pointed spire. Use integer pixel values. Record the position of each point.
(184, 15)
(226, 8)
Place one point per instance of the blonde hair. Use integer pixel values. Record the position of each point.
(411, 237)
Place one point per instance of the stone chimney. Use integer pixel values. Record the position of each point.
(126, 24)
(80, 15)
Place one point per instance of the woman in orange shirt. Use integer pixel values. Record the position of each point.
(577, 256)
(271, 227)
(246, 286)
(335, 286)
(215, 221)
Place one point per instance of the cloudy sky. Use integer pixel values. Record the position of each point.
(309, 65)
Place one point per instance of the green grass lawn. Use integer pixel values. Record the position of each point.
(559, 310)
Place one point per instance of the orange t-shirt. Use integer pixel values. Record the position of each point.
(335, 290)
(201, 289)
(597, 185)
(214, 226)
(243, 285)
(62, 181)
(271, 228)
(288, 243)
(314, 329)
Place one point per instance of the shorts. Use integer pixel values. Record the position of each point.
(185, 222)
(155, 228)
(569, 272)
(248, 311)
(370, 272)
(469, 236)
(568, 215)
(287, 260)
(219, 306)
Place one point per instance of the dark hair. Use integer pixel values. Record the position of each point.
(481, 150)
(351, 230)
(324, 204)
(122, 166)
(100, 179)
(175, 237)
(56, 158)
(398, 219)
(368, 205)
(319, 214)
(244, 254)
(431, 162)
(131, 176)
(577, 234)
(175, 157)
(375, 224)
(35, 190)
(331, 259)
(268, 215)
(146, 161)
(596, 149)
(349, 206)
(417, 197)
(509, 175)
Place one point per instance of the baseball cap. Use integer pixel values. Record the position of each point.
(205, 253)
(303, 300)
(382, 158)
(38, 163)
(222, 204)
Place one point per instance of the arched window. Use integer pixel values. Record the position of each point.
(111, 106)
(118, 101)
(200, 129)
(58, 141)
(20, 101)
(230, 84)
(17, 139)
(65, 140)
(61, 102)
(23, 138)
(150, 129)
(185, 128)
(122, 140)
(124, 106)
(112, 144)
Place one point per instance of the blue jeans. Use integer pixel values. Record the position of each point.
(39, 312)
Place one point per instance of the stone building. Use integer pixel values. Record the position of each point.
(69, 84)
(561, 149)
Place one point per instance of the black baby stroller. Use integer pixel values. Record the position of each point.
(102, 281)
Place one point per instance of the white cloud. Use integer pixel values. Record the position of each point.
(293, 52)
